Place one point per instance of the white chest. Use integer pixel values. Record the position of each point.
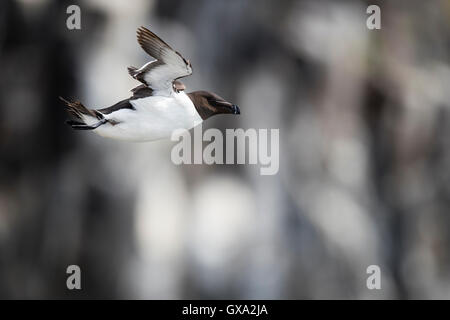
(154, 117)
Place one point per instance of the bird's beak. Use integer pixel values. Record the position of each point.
(225, 106)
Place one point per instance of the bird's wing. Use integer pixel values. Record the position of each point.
(139, 92)
(168, 66)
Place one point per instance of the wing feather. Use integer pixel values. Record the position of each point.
(169, 65)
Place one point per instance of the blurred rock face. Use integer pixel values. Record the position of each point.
(363, 118)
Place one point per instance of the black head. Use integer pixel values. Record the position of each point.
(209, 104)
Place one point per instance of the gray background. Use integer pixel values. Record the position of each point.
(364, 173)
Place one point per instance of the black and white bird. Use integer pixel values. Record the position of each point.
(158, 106)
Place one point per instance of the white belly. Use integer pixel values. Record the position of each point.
(154, 118)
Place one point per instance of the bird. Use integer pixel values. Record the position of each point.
(158, 106)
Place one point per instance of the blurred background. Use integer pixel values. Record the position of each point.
(364, 120)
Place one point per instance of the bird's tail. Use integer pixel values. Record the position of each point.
(86, 119)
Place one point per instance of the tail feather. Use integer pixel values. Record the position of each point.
(77, 110)
(82, 126)
(75, 123)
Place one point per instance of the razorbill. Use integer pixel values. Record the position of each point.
(158, 106)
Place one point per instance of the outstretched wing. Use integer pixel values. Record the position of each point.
(168, 66)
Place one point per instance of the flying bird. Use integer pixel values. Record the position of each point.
(158, 106)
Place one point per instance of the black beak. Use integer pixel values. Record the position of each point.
(225, 107)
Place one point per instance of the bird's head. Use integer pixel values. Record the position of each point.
(209, 104)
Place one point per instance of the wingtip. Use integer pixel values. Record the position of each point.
(142, 30)
(145, 33)
(63, 100)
